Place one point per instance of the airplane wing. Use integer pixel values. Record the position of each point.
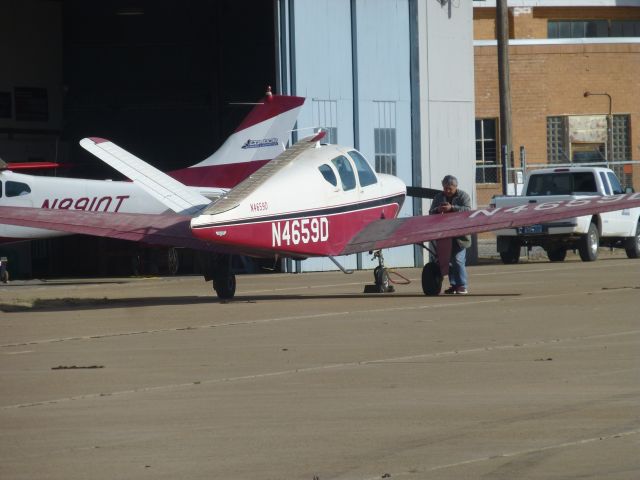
(411, 230)
(163, 229)
(175, 195)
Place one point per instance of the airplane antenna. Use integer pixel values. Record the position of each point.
(268, 95)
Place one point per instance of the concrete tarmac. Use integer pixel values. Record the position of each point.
(533, 375)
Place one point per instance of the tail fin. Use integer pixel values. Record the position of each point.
(259, 138)
(170, 192)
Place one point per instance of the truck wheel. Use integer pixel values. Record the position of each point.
(431, 279)
(632, 244)
(512, 254)
(557, 254)
(588, 244)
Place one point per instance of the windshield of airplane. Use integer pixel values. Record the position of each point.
(327, 173)
(366, 175)
(345, 170)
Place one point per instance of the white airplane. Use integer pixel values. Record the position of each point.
(259, 138)
(311, 200)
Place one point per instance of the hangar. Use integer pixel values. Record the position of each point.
(169, 80)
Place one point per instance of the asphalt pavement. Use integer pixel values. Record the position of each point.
(533, 375)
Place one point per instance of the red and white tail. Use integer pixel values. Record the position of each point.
(261, 137)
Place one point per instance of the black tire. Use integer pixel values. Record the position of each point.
(381, 279)
(512, 254)
(557, 254)
(589, 243)
(431, 279)
(173, 261)
(225, 286)
(632, 244)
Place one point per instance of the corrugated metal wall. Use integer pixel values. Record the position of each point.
(353, 61)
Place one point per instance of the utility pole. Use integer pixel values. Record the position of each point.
(504, 87)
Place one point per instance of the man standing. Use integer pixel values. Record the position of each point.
(454, 200)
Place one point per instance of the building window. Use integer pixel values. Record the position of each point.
(592, 28)
(583, 139)
(557, 140)
(625, 28)
(325, 116)
(622, 148)
(486, 150)
(384, 136)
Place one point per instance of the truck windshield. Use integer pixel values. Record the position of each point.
(562, 183)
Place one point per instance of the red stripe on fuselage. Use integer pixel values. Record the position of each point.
(222, 176)
(307, 235)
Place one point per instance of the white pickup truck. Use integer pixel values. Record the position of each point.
(585, 234)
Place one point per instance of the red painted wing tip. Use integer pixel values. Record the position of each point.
(321, 134)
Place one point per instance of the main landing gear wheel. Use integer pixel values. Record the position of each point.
(173, 261)
(431, 279)
(381, 279)
(225, 286)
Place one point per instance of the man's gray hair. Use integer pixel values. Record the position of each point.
(449, 180)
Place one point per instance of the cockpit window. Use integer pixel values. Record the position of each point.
(345, 170)
(366, 175)
(15, 189)
(327, 173)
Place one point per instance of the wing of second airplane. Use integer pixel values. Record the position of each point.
(162, 229)
(411, 230)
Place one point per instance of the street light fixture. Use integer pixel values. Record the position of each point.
(609, 125)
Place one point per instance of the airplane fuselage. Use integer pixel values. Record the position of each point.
(313, 207)
(19, 190)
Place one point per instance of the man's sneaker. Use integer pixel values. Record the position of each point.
(462, 290)
(451, 290)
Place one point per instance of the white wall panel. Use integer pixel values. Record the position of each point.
(383, 76)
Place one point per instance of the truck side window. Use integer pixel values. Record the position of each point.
(607, 190)
(584, 182)
(615, 184)
(15, 189)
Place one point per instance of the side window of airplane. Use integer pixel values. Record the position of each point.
(366, 175)
(327, 173)
(345, 170)
(15, 189)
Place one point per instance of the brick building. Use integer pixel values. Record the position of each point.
(558, 51)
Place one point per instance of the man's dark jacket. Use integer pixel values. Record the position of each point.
(461, 202)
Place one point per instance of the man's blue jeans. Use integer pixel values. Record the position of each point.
(457, 269)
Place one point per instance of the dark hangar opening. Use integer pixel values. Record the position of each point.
(158, 78)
